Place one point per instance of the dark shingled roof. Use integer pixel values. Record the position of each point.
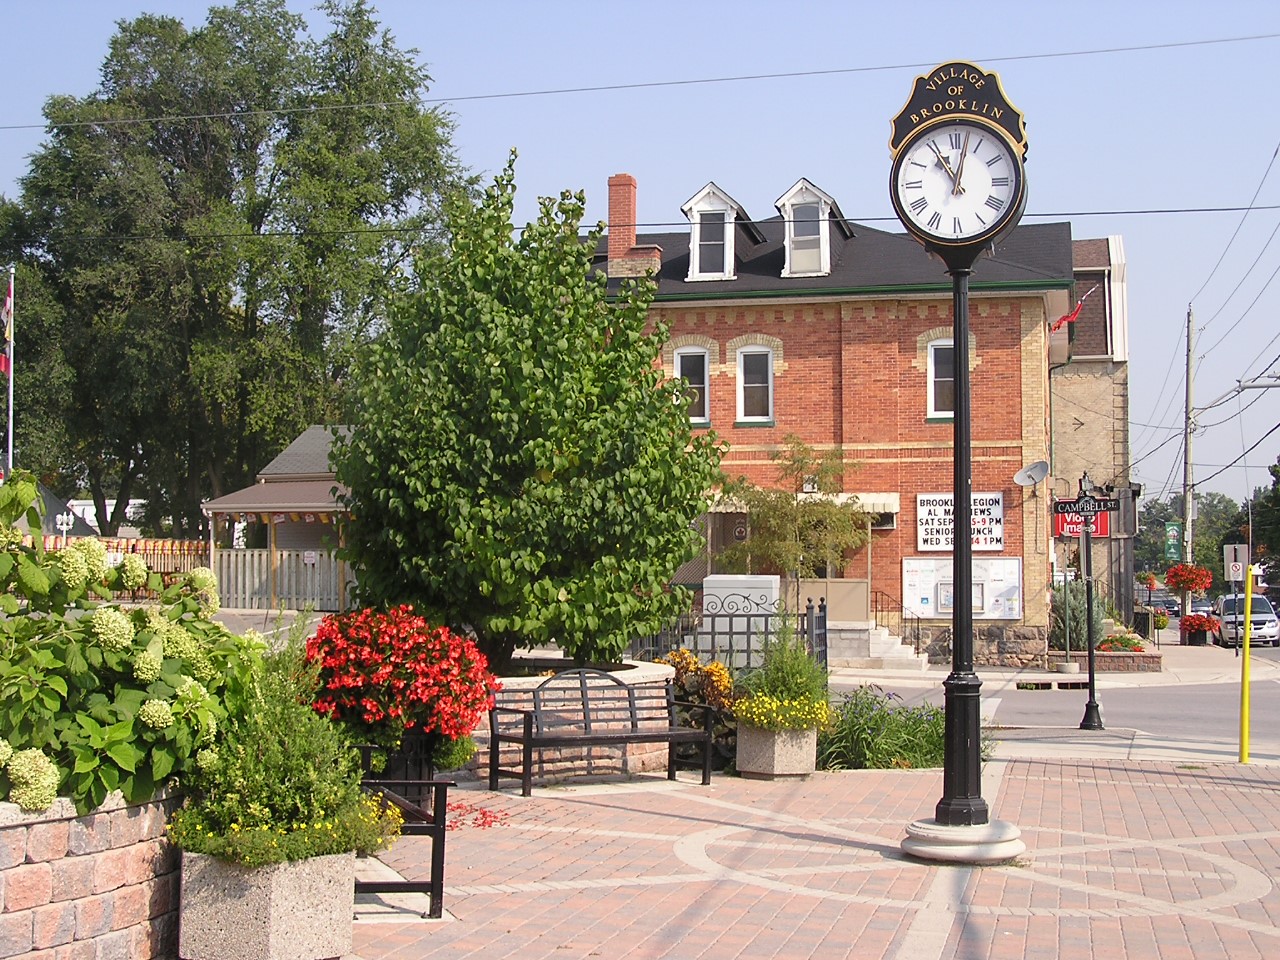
(872, 260)
(307, 457)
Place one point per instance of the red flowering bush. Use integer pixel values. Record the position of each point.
(1195, 622)
(1185, 576)
(385, 674)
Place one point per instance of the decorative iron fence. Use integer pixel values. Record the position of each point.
(733, 629)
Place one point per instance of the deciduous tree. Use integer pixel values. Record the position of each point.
(517, 461)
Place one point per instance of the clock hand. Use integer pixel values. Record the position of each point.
(946, 165)
(956, 190)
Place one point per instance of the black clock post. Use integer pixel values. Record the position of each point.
(957, 185)
(962, 803)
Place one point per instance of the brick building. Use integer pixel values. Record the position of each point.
(1089, 402)
(806, 323)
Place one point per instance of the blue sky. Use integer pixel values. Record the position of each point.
(1188, 126)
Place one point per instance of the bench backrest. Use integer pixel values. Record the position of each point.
(592, 701)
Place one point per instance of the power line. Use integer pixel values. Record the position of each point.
(646, 85)
(390, 228)
(1232, 239)
(1241, 457)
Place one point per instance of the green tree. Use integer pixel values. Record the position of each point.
(218, 227)
(517, 462)
(1219, 520)
(798, 526)
(1266, 525)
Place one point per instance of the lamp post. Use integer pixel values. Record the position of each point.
(64, 522)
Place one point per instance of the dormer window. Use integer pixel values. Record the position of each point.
(711, 242)
(716, 218)
(808, 213)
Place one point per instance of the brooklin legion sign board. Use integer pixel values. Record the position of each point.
(935, 521)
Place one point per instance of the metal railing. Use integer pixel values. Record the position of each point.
(889, 613)
(733, 628)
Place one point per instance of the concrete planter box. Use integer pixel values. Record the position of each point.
(289, 911)
(771, 754)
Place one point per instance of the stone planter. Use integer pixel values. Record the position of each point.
(773, 754)
(290, 911)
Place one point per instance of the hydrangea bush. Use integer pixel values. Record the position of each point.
(96, 697)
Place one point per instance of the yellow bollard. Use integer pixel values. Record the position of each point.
(1244, 664)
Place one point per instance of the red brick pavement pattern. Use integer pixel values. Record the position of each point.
(1125, 860)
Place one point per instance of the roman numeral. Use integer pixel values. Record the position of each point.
(914, 184)
(955, 224)
(980, 142)
(935, 220)
(994, 160)
(917, 163)
(995, 203)
(919, 204)
(999, 181)
(956, 141)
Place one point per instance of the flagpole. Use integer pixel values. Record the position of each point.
(8, 469)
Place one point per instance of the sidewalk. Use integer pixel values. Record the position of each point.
(1125, 860)
(1182, 665)
(1146, 849)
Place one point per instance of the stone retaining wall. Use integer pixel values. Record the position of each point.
(99, 887)
(553, 765)
(1149, 661)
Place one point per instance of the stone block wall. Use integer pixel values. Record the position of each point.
(554, 765)
(99, 887)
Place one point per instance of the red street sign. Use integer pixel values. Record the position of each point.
(1068, 524)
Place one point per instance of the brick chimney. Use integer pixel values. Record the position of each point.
(625, 258)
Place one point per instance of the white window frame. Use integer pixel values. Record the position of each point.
(712, 201)
(695, 246)
(741, 383)
(933, 411)
(706, 373)
(804, 193)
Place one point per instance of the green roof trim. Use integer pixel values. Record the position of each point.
(827, 293)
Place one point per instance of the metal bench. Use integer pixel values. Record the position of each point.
(408, 783)
(588, 708)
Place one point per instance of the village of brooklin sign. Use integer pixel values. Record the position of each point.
(935, 524)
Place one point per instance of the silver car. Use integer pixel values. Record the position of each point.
(1264, 624)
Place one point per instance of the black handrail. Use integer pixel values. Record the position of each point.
(888, 612)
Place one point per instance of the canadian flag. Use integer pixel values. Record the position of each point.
(6, 315)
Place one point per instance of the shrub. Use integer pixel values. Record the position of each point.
(789, 689)
(1074, 614)
(709, 684)
(115, 698)
(283, 783)
(387, 674)
(1121, 643)
(871, 730)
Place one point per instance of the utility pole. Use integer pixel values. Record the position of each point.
(1187, 424)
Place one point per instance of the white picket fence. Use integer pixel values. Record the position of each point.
(303, 578)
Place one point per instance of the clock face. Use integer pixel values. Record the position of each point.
(957, 183)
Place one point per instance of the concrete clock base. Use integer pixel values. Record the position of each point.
(992, 842)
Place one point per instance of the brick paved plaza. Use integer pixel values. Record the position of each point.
(1125, 859)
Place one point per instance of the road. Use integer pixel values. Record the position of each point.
(1206, 713)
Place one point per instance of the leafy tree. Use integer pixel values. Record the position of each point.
(793, 531)
(517, 462)
(1218, 520)
(218, 227)
(1266, 525)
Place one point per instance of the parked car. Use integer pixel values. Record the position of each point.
(1201, 605)
(1264, 624)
